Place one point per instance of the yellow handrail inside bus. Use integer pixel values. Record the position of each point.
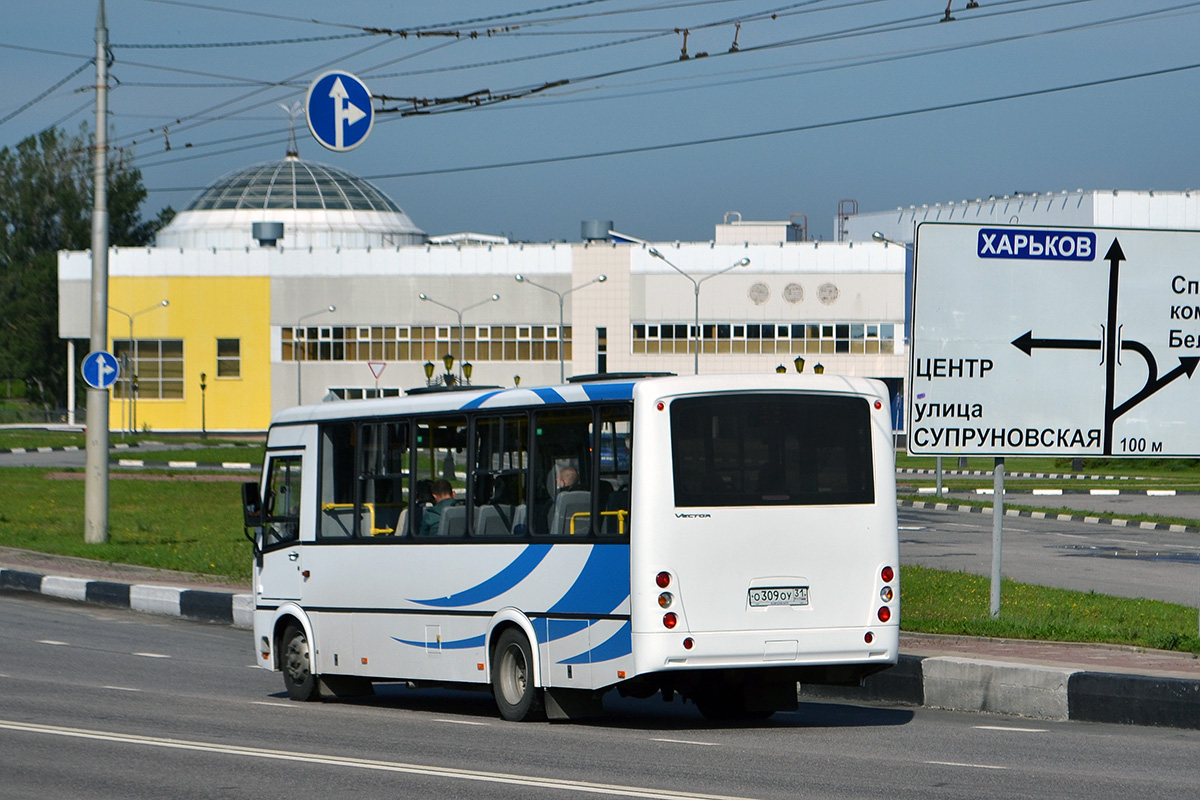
(370, 507)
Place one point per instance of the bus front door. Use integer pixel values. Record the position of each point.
(281, 574)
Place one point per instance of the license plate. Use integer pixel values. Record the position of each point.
(779, 596)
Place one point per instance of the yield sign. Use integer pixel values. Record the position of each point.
(376, 368)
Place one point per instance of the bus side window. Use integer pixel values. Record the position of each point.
(563, 480)
(337, 519)
(383, 478)
(440, 447)
(499, 475)
(282, 501)
(616, 459)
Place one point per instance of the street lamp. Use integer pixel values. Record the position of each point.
(296, 353)
(879, 237)
(462, 352)
(203, 419)
(133, 346)
(696, 285)
(561, 295)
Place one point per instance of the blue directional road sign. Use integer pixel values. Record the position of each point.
(339, 111)
(100, 369)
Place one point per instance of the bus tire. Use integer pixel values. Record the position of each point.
(297, 665)
(512, 678)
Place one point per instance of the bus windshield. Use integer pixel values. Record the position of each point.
(771, 449)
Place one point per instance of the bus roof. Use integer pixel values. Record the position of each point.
(622, 388)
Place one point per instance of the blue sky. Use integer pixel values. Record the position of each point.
(822, 102)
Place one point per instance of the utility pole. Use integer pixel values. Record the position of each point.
(96, 479)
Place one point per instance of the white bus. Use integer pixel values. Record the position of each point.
(747, 543)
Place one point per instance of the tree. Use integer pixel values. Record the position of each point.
(46, 206)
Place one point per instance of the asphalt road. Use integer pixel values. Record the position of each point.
(111, 704)
(1126, 562)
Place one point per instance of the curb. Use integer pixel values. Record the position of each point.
(241, 466)
(222, 608)
(954, 683)
(1116, 522)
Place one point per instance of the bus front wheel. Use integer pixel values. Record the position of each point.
(512, 678)
(297, 665)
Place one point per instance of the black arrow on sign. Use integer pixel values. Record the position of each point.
(1187, 366)
(1114, 257)
(1026, 343)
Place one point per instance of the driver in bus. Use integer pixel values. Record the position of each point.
(443, 498)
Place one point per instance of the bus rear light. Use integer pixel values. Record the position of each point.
(869, 637)
(665, 599)
(670, 620)
(884, 614)
(878, 405)
(689, 643)
(663, 579)
(887, 573)
(661, 405)
(885, 594)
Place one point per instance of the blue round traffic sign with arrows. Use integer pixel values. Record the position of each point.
(339, 111)
(100, 369)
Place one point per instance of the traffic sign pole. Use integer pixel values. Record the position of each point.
(96, 477)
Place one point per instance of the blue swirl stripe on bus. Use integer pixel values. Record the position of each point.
(618, 645)
(608, 391)
(461, 644)
(483, 398)
(548, 395)
(520, 569)
(602, 585)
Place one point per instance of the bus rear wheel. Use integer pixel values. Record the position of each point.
(512, 678)
(297, 665)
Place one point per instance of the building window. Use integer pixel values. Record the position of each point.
(229, 358)
(769, 338)
(156, 368)
(431, 343)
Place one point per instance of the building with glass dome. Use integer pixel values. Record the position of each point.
(295, 282)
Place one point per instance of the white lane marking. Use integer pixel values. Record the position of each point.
(970, 766)
(463, 722)
(910, 527)
(272, 705)
(151, 655)
(1010, 730)
(476, 776)
(687, 741)
(53, 642)
(121, 688)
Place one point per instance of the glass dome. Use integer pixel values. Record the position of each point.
(318, 205)
(292, 183)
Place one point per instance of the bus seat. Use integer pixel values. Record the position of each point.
(519, 518)
(493, 520)
(453, 521)
(566, 505)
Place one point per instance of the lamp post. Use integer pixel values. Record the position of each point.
(879, 237)
(562, 376)
(203, 415)
(696, 285)
(296, 353)
(459, 312)
(133, 377)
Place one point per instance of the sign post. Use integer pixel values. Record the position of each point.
(1073, 342)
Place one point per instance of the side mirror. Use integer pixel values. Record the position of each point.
(252, 504)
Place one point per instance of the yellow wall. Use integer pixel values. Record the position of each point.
(201, 310)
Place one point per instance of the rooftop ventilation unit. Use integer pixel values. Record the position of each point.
(267, 233)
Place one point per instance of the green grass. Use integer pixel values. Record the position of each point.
(196, 526)
(934, 601)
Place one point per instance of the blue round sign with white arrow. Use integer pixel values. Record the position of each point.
(339, 111)
(100, 369)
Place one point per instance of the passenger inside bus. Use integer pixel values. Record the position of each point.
(443, 498)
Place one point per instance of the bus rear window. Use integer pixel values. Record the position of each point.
(772, 449)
